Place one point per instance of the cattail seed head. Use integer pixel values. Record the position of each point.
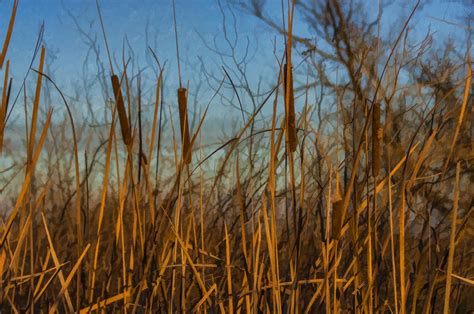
(126, 133)
(290, 108)
(377, 135)
(337, 205)
(4, 105)
(183, 120)
(336, 218)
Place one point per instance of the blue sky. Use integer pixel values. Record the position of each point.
(122, 18)
(129, 18)
(138, 20)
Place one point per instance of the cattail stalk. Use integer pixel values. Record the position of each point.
(4, 105)
(124, 126)
(452, 240)
(290, 107)
(337, 211)
(183, 120)
(377, 134)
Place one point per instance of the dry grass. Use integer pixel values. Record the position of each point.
(386, 229)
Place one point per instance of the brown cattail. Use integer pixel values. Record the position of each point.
(377, 134)
(126, 133)
(337, 204)
(4, 105)
(183, 120)
(336, 218)
(290, 108)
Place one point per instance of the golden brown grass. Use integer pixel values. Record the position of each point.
(387, 229)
